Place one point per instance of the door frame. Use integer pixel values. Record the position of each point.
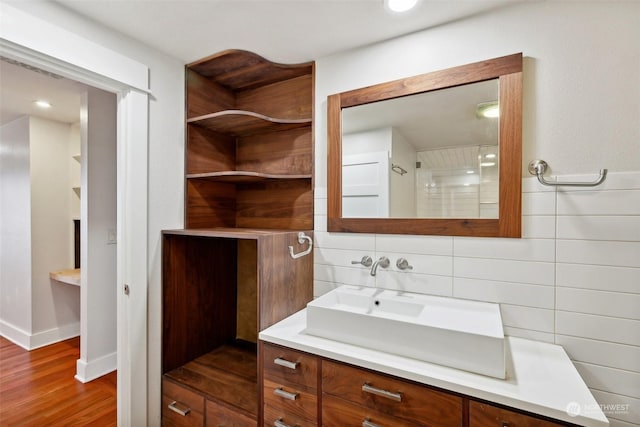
(34, 41)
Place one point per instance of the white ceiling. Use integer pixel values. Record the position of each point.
(287, 31)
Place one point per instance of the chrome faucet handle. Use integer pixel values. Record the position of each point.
(403, 264)
(365, 261)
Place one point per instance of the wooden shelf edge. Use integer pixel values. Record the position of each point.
(70, 277)
(244, 176)
(244, 123)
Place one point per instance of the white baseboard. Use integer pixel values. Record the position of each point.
(15, 335)
(89, 371)
(51, 336)
(40, 339)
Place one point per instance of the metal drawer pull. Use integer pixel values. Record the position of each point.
(384, 393)
(174, 407)
(285, 394)
(280, 423)
(283, 362)
(367, 423)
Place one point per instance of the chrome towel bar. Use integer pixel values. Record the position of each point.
(538, 168)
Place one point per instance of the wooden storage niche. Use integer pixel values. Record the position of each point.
(220, 287)
(249, 154)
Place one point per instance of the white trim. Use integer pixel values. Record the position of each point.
(76, 58)
(15, 335)
(40, 339)
(89, 371)
(85, 61)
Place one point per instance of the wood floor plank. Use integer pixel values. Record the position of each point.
(38, 388)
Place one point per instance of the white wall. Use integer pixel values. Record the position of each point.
(574, 277)
(15, 232)
(98, 343)
(55, 305)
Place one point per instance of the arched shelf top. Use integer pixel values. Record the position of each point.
(242, 70)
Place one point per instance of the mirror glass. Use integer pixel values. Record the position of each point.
(429, 155)
(419, 155)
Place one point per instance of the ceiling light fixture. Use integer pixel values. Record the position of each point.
(488, 110)
(487, 164)
(41, 103)
(490, 156)
(400, 5)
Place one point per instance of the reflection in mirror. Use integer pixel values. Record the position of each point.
(416, 155)
(429, 155)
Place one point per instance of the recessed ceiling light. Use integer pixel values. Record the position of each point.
(488, 110)
(42, 103)
(400, 5)
(487, 164)
(470, 172)
(490, 156)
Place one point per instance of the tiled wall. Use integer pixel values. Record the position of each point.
(573, 279)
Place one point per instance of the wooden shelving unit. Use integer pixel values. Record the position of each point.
(228, 274)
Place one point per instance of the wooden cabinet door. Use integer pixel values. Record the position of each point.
(484, 415)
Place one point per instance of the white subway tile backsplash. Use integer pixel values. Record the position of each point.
(529, 334)
(612, 304)
(505, 249)
(620, 410)
(611, 380)
(539, 273)
(614, 181)
(404, 244)
(418, 283)
(619, 228)
(616, 202)
(532, 185)
(422, 264)
(504, 292)
(362, 242)
(627, 357)
(611, 329)
(538, 227)
(540, 203)
(344, 275)
(535, 319)
(338, 257)
(321, 287)
(621, 254)
(602, 277)
(320, 223)
(320, 206)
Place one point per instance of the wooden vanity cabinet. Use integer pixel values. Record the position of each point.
(229, 273)
(349, 396)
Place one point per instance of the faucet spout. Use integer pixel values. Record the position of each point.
(382, 262)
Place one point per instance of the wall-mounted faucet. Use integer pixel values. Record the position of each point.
(365, 261)
(382, 262)
(403, 264)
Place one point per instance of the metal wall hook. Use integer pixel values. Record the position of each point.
(538, 168)
(301, 239)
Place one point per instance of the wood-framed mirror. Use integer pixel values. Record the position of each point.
(367, 136)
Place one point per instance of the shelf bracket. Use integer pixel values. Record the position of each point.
(301, 239)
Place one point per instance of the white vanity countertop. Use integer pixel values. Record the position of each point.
(540, 377)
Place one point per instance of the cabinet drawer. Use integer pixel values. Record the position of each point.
(290, 365)
(274, 417)
(340, 413)
(221, 416)
(176, 399)
(391, 396)
(296, 402)
(484, 415)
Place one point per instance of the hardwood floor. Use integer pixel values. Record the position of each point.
(38, 388)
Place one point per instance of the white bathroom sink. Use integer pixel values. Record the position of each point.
(461, 334)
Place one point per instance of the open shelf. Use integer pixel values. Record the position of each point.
(70, 277)
(228, 375)
(244, 123)
(243, 176)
